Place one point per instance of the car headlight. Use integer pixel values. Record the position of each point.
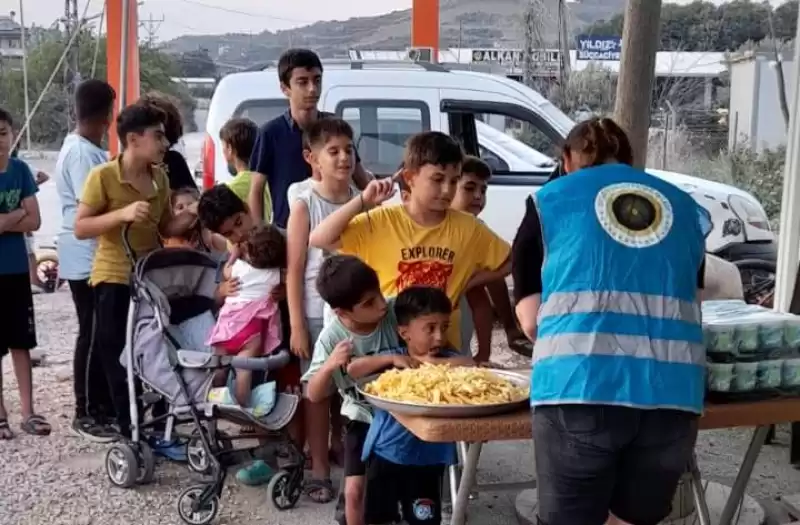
(750, 213)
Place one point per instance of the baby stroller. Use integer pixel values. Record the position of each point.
(168, 287)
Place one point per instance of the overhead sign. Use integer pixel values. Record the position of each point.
(545, 61)
(599, 48)
(515, 56)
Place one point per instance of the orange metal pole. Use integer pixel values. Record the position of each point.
(114, 45)
(425, 24)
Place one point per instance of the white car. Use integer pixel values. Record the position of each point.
(388, 102)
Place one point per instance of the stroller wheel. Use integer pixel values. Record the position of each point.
(190, 509)
(197, 455)
(283, 490)
(147, 464)
(122, 465)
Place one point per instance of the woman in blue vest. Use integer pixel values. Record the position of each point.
(608, 265)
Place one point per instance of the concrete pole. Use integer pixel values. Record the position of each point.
(24, 47)
(640, 42)
(789, 245)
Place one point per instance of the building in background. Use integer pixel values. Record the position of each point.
(755, 117)
(10, 42)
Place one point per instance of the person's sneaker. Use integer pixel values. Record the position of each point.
(173, 450)
(254, 474)
(87, 428)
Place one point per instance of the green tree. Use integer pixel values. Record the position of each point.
(704, 26)
(50, 122)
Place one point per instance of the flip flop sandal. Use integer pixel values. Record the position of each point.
(522, 346)
(5, 430)
(36, 425)
(319, 491)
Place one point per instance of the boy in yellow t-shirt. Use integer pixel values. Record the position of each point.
(130, 190)
(422, 241)
(238, 137)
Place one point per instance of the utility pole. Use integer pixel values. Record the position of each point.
(151, 27)
(640, 42)
(24, 44)
(72, 75)
(533, 26)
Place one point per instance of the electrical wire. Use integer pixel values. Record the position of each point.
(56, 69)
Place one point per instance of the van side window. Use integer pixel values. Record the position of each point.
(381, 129)
(263, 110)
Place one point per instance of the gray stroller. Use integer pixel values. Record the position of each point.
(168, 287)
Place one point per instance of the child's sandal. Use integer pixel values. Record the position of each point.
(5, 430)
(320, 491)
(36, 425)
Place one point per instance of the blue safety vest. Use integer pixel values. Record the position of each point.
(620, 318)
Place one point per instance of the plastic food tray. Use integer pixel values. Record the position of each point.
(450, 411)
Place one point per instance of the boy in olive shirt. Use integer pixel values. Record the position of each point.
(130, 190)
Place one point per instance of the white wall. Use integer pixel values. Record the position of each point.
(771, 127)
(754, 100)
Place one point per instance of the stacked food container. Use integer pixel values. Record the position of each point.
(752, 352)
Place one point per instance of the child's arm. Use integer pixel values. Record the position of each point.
(324, 366)
(27, 218)
(91, 221)
(483, 320)
(297, 231)
(364, 366)
(327, 235)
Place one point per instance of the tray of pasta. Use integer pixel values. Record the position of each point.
(445, 391)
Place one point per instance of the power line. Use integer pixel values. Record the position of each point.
(151, 27)
(247, 13)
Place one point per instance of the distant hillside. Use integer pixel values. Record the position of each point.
(467, 23)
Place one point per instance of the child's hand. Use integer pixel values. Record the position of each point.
(228, 288)
(278, 293)
(378, 191)
(299, 344)
(341, 354)
(136, 212)
(404, 361)
(41, 178)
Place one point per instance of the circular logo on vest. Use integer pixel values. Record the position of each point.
(634, 215)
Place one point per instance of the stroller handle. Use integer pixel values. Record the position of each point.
(275, 361)
(126, 242)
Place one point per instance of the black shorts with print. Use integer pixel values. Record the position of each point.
(16, 311)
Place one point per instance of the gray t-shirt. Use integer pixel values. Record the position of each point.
(382, 339)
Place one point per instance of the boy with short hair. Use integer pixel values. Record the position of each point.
(478, 315)
(19, 214)
(329, 144)
(81, 151)
(363, 325)
(238, 137)
(131, 190)
(402, 469)
(422, 241)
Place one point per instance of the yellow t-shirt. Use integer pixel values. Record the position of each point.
(403, 253)
(105, 191)
(240, 185)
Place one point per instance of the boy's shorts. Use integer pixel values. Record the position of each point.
(16, 311)
(417, 489)
(354, 437)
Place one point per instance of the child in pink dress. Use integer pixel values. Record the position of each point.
(249, 322)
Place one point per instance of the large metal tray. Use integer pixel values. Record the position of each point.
(449, 411)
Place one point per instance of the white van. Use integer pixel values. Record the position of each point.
(387, 102)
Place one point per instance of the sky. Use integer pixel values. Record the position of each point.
(222, 16)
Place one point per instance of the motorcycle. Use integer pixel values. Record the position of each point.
(47, 267)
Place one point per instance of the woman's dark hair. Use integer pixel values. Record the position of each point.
(599, 140)
(292, 59)
(416, 301)
(94, 100)
(266, 247)
(217, 205)
(344, 280)
(173, 122)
